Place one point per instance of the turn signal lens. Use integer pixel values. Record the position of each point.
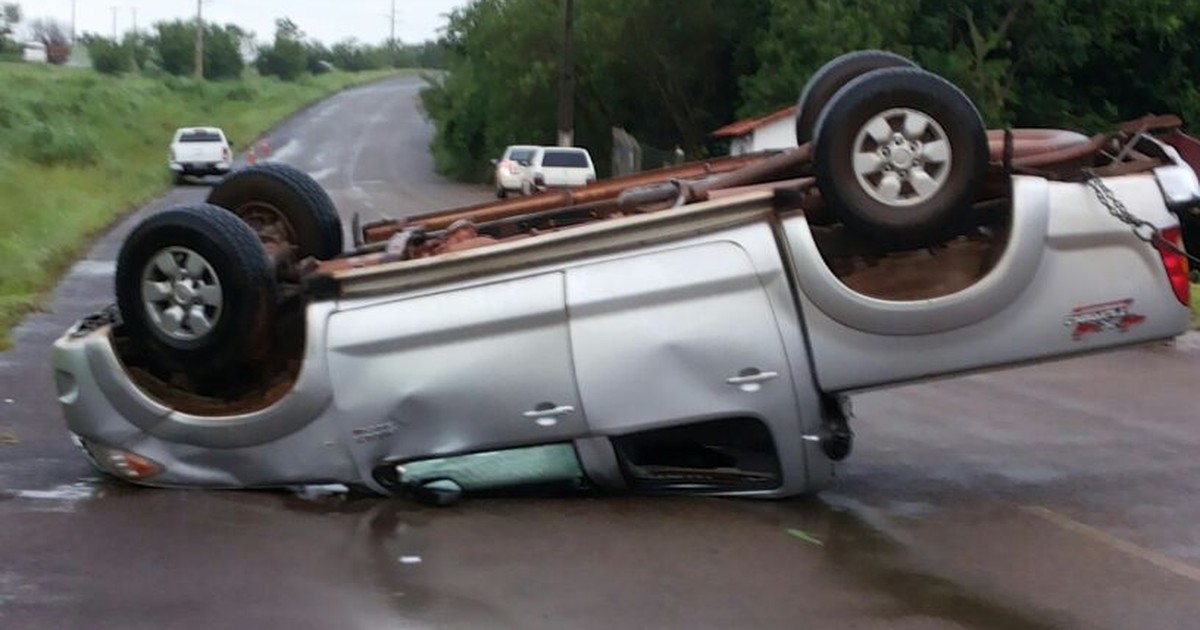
(121, 463)
(1175, 263)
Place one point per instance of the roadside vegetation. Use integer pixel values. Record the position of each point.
(78, 149)
(671, 75)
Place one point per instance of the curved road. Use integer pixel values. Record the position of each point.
(1057, 496)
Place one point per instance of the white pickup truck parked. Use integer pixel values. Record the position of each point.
(692, 330)
(199, 151)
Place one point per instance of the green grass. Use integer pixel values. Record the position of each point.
(79, 149)
(1196, 306)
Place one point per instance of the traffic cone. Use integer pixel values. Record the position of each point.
(264, 148)
(251, 158)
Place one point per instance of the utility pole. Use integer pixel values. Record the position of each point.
(199, 62)
(566, 82)
(134, 11)
(392, 40)
(72, 22)
(114, 12)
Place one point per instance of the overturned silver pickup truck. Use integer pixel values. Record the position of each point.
(695, 329)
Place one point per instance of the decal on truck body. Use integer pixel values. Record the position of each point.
(1095, 318)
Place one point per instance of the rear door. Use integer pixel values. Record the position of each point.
(1070, 279)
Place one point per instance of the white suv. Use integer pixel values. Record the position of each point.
(561, 167)
(511, 169)
(199, 151)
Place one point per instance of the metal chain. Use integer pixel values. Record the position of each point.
(1142, 229)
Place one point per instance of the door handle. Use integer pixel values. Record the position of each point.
(551, 412)
(757, 377)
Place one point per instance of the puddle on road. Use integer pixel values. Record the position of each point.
(66, 497)
(88, 267)
(859, 541)
(871, 551)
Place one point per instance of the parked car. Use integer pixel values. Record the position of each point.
(199, 151)
(560, 167)
(512, 169)
(697, 329)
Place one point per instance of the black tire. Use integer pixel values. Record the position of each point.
(896, 213)
(501, 193)
(287, 193)
(237, 271)
(829, 78)
(178, 178)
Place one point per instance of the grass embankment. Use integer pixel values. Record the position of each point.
(78, 149)
(1196, 306)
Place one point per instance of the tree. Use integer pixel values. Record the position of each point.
(108, 56)
(10, 16)
(287, 57)
(53, 35)
(670, 76)
(175, 44)
(667, 76)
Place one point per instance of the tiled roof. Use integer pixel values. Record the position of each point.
(743, 127)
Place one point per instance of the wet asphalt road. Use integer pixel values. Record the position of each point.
(1058, 496)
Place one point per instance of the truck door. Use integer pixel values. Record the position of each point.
(457, 371)
(680, 361)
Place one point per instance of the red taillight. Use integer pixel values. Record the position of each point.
(1175, 263)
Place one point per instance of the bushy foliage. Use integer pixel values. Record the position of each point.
(175, 45)
(670, 75)
(288, 56)
(10, 17)
(666, 75)
(108, 56)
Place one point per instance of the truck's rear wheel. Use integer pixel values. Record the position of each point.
(829, 78)
(283, 203)
(195, 288)
(899, 154)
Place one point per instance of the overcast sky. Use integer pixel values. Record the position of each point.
(329, 21)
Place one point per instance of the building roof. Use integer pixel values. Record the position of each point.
(743, 127)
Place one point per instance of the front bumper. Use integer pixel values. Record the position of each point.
(294, 441)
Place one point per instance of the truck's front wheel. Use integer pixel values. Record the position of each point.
(283, 203)
(196, 290)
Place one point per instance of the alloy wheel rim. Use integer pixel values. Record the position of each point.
(181, 294)
(901, 157)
